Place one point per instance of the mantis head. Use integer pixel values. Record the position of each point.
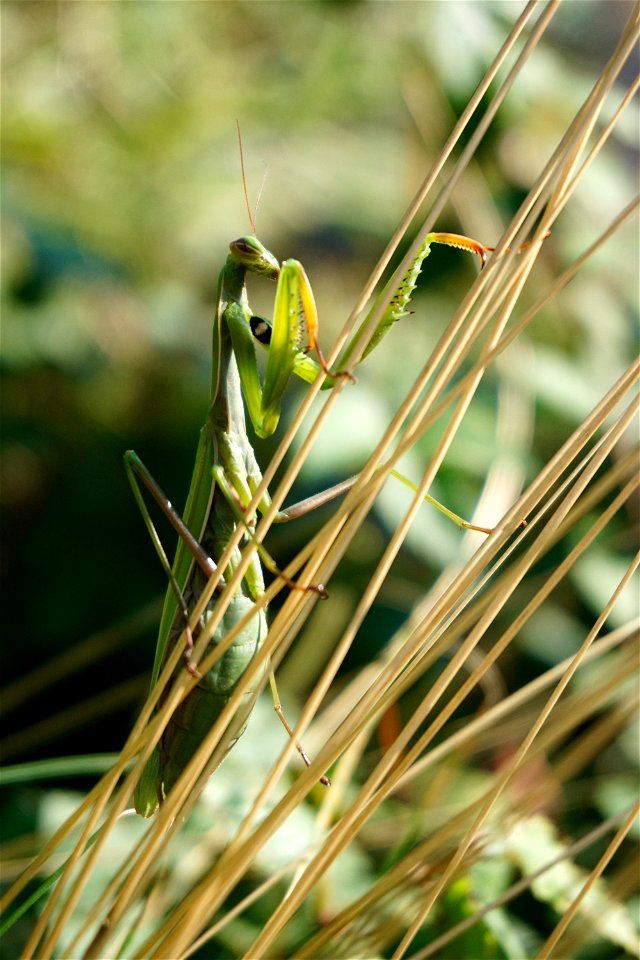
(253, 256)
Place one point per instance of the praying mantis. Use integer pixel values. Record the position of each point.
(226, 476)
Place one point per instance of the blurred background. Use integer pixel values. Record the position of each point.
(121, 191)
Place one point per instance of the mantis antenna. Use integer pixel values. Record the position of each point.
(252, 216)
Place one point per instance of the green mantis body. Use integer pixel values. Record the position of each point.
(226, 470)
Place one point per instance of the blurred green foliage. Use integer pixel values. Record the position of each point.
(121, 191)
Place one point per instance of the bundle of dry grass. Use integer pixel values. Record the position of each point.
(448, 774)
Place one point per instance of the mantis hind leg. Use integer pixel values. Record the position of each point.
(296, 510)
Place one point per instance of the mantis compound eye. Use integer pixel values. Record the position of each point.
(243, 246)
